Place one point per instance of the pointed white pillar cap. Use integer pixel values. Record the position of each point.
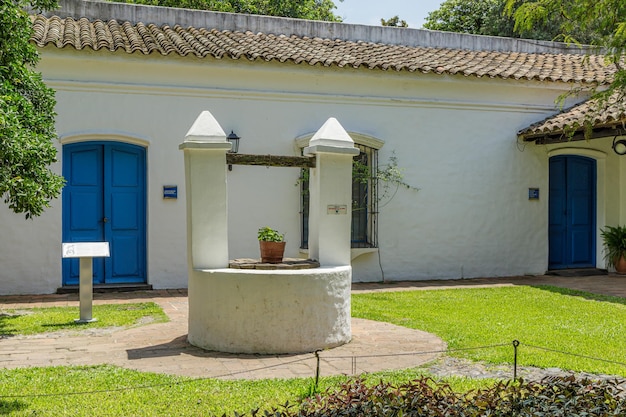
(205, 132)
(333, 138)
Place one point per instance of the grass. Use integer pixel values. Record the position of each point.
(554, 318)
(105, 392)
(44, 320)
(548, 317)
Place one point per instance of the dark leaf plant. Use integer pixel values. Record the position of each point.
(614, 243)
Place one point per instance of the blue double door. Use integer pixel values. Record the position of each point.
(104, 200)
(572, 212)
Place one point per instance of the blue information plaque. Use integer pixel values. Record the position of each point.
(170, 192)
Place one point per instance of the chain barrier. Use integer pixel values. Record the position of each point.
(138, 387)
(318, 358)
(577, 355)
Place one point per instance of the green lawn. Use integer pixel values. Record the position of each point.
(51, 319)
(549, 317)
(557, 319)
(104, 391)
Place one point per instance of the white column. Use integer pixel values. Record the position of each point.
(205, 148)
(330, 188)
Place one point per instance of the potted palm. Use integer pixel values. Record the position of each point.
(272, 244)
(615, 247)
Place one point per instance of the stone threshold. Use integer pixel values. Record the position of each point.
(105, 288)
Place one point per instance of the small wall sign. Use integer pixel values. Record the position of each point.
(170, 192)
(337, 209)
(533, 193)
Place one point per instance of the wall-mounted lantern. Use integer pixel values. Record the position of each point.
(234, 140)
(619, 146)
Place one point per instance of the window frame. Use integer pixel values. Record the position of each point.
(369, 147)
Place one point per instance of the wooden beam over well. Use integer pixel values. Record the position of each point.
(270, 160)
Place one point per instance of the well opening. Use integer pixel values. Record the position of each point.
(286, 264)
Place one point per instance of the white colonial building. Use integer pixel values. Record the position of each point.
(131, 80)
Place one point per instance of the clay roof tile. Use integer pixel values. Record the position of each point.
(209, 42)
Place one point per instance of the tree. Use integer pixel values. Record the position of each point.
(395, 22)
(465, 16)
(490, 17)
(27, 116)
(302, 9)
(597, 22)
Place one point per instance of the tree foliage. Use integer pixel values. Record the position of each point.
(596, 22)
(604, 24)
(394, 22)
(302, 9)
(26, 116)
(465, 16)
(492, 18)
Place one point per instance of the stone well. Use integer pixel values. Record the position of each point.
(268, 311)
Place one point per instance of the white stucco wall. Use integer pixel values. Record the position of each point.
(454, 137)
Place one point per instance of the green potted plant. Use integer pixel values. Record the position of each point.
(272, 244)
(615, 247)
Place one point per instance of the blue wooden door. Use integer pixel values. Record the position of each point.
(572, 212)
(105, 200)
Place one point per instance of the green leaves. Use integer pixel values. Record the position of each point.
(302, 9)
(465, 16)
(268, 234)
(26, 117)
(394, 21)
(601, 23)
(533, 19)
(559, 396)
(614, 243)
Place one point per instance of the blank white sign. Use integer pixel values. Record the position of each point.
(86, 249)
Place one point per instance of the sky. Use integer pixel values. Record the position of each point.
(369, 12)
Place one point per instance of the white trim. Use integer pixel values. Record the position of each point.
(590, 153)
(358, 138)
(354, 252)
(312, 150)
(105, 136)
(600, 158)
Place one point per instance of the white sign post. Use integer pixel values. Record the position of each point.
(86, 251)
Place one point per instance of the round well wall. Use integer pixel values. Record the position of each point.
(270, 311)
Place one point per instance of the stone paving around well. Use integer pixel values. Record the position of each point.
(163, 347)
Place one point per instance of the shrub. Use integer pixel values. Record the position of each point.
(562, 396)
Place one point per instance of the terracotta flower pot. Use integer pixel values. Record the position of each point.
(620, 265)
(272, 252)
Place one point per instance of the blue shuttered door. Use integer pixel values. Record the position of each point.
(104, 200)
(572, 212)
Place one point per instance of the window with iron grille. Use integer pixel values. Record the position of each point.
(364, 202)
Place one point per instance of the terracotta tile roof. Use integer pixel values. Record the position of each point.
(594, 114)
(111, 35)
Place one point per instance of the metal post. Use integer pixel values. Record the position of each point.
(317, 369)
(85, 289)
(515, 345)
